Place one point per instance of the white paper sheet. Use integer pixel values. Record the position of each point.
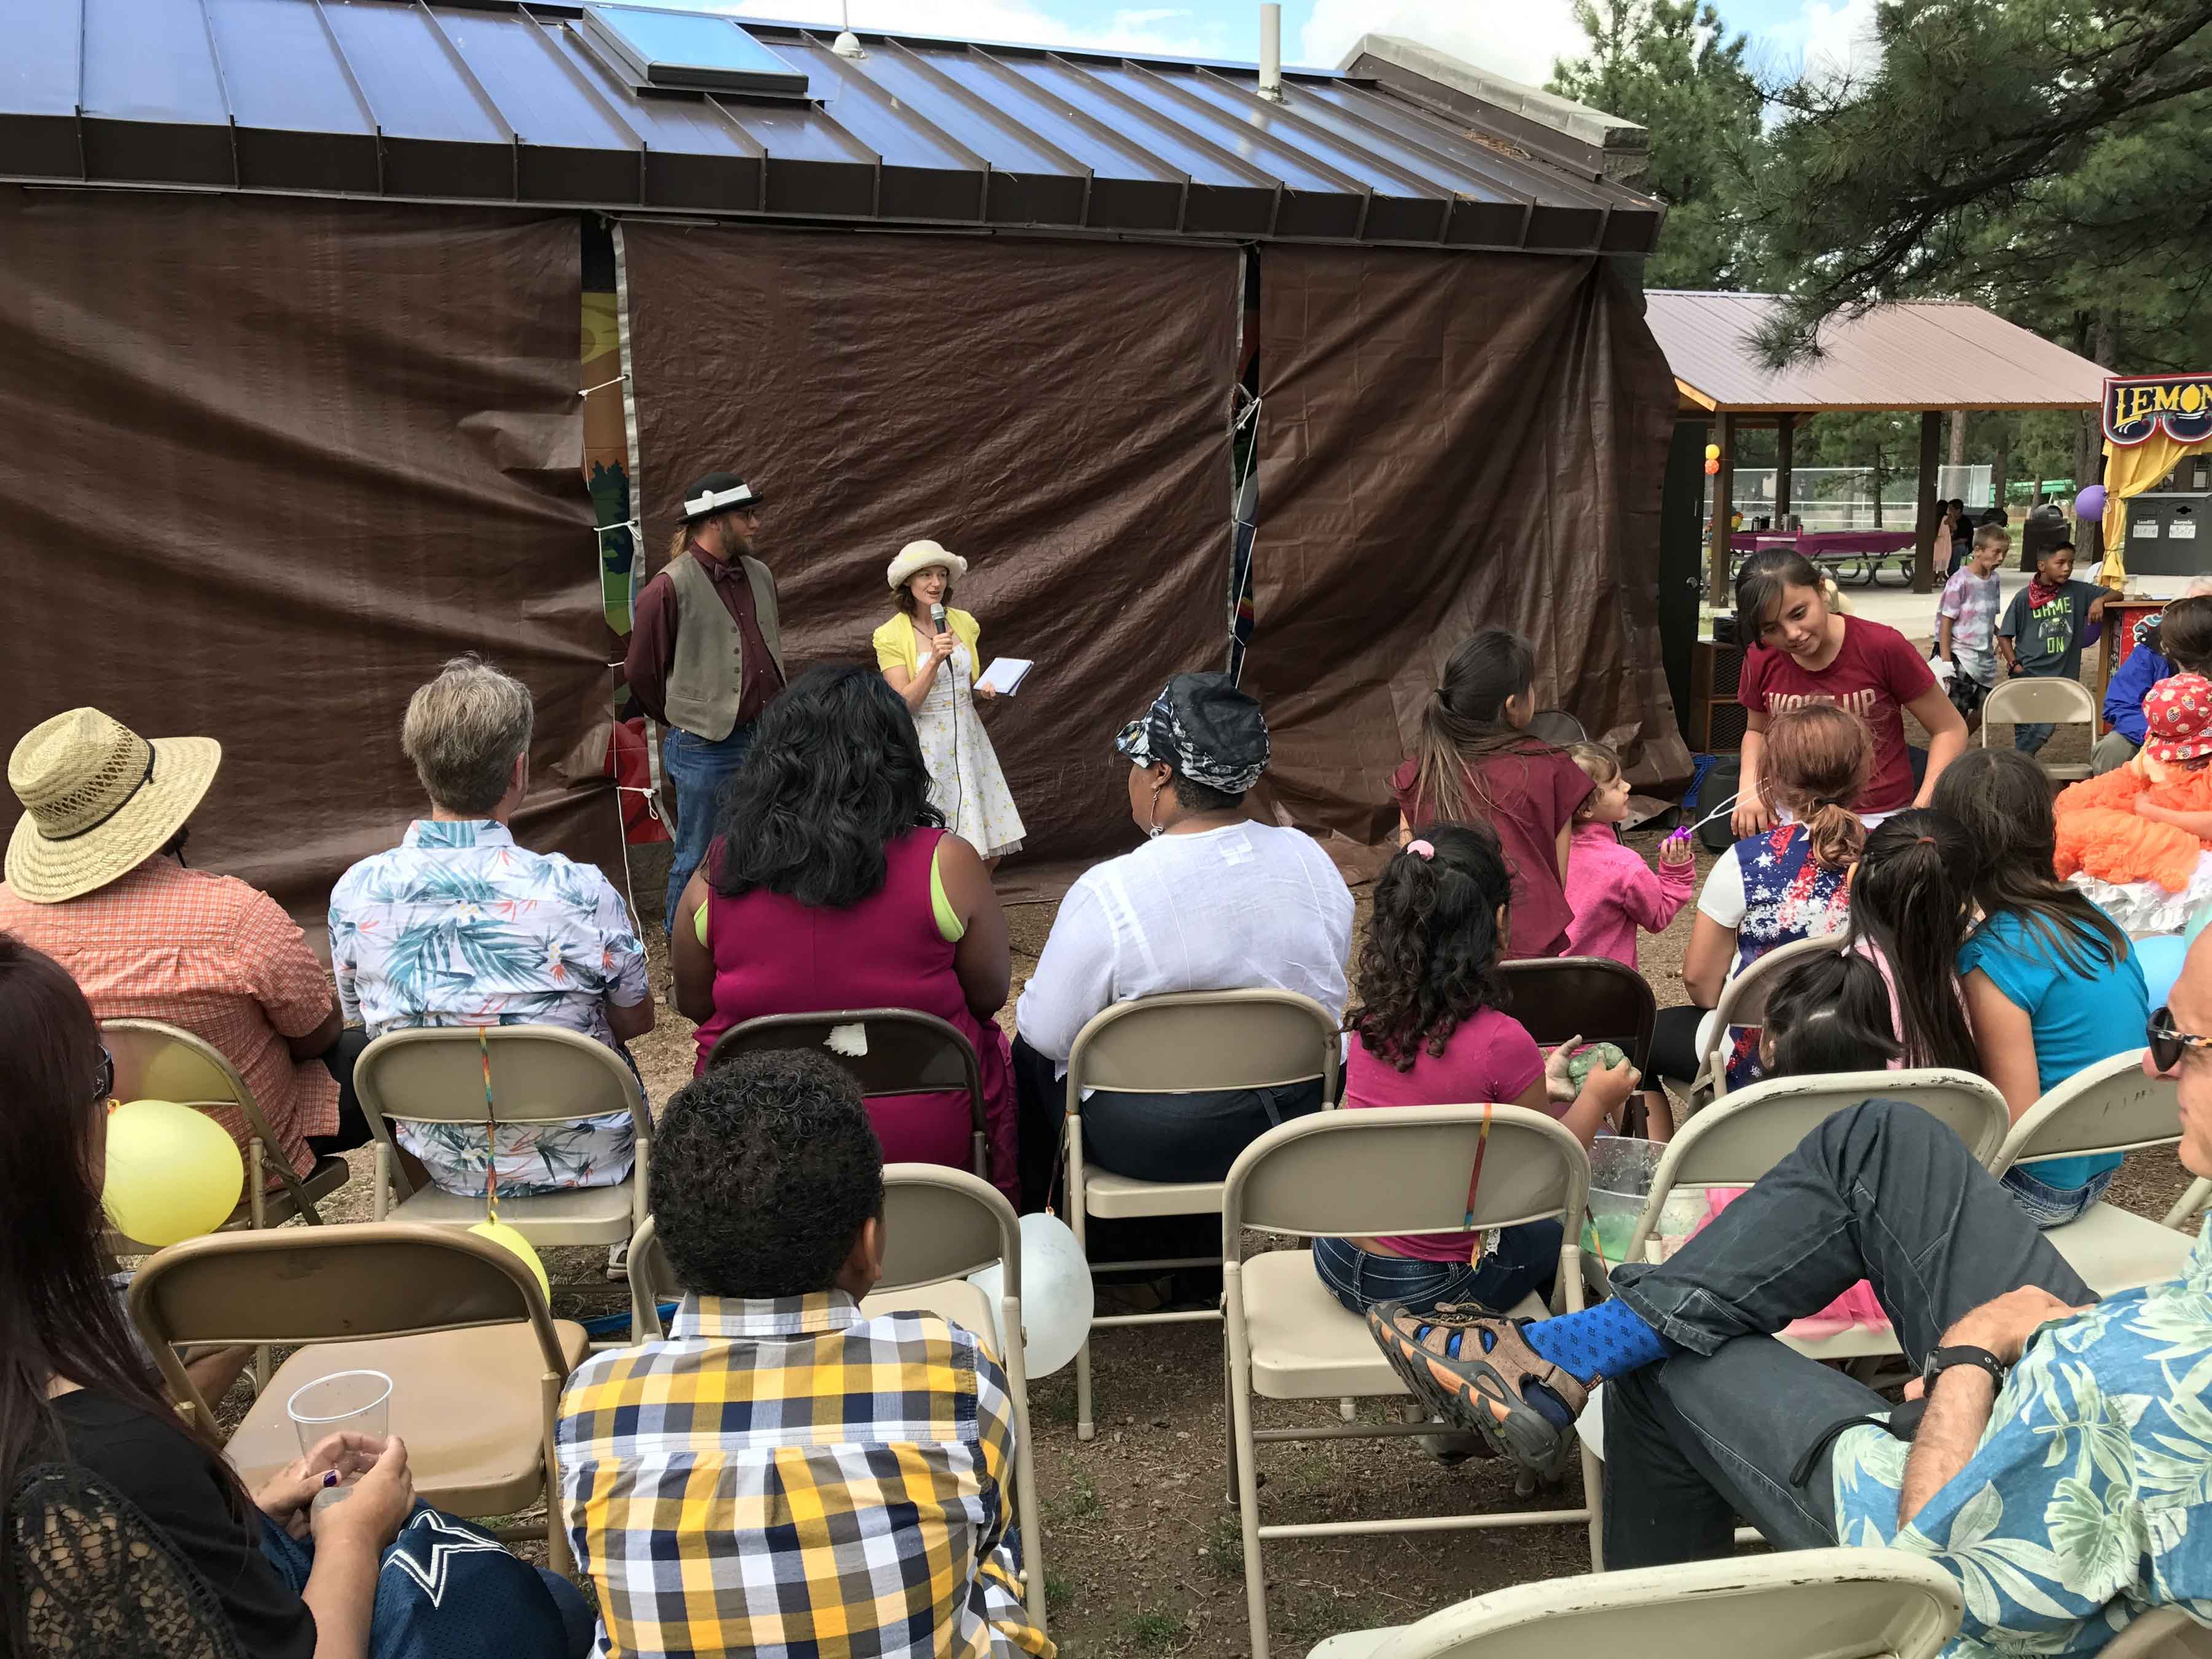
(1006, 675)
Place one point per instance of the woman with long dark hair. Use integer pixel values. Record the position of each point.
(2051, 982)
(1474, 762)
(1800, 650)
(834, 884)
(77, 1389)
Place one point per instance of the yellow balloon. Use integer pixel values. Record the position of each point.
(172, 1173)
(1712, 451)
(507, 1238)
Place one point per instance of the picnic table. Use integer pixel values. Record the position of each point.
(1849, 555)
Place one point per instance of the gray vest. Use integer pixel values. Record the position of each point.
(707, 680)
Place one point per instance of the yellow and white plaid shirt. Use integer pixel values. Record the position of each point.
(789, 1479)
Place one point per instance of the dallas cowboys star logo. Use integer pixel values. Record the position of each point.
(455, 1540)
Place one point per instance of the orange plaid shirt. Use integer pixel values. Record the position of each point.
(211, 954)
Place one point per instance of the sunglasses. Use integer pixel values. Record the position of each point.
(105, 1089)
(2168, 1042)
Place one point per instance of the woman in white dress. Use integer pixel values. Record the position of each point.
(934, 668)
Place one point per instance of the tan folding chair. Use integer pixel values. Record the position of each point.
(1732, 1142)
(2030, 701)
(1807, 1604)
(158, 1061)
(539, 1074)
(902, 1052)
(476, 1363)
(1183, 1042)
(2161, 1633)
(1349, 1174)
(1743, 1002)
(2110, 1107)
(939, 1226)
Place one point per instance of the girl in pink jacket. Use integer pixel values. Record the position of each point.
(1612, 891)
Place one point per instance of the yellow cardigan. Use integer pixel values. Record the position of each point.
(896, 646)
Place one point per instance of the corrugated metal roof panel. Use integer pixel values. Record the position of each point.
(1920, 355)
(495, 100)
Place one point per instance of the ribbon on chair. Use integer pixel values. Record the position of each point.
(1474, 1179)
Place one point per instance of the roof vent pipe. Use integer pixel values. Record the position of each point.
(1271, 52)
(847, 44)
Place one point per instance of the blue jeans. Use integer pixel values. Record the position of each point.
(2051, 1206)
(698, 769)
(2032, 736)
(1527, 1260)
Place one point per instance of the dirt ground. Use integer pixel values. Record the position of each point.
(1141, 1547)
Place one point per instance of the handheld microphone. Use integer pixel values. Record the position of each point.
(937, 616)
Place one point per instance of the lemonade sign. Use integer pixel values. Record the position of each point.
(2138, 407)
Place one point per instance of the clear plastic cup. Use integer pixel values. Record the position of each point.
(353, 1402)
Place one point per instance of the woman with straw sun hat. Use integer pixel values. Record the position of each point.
(97, 880)
(928, 654)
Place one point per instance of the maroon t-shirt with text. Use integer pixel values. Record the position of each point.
(1875, 675)
(1532, 793)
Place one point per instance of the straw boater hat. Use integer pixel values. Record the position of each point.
(98, 801)
(923, 555)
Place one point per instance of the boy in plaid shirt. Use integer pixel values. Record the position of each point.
(786, 1476)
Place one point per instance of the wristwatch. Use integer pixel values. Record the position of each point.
(1941, 1359)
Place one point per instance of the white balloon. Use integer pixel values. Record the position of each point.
(1057, 1295)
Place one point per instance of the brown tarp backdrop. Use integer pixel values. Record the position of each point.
(1057, 413)
(1450, 440)
(265, 465)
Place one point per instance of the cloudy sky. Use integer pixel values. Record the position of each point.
(1517, 37)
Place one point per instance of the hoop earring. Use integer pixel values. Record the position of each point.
(1153, 828)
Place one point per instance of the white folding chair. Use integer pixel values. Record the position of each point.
(1183, 1042)
(2161, 1633)
(1743, 1002)
(1734, 1141)
(2110, 1107)
(2030, 701)
(1400, 1170)
(155, 1060)
(539, 1074)
(939, 1225)
(1806, 1604)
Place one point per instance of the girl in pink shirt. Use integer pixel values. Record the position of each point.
(1429, 1030)
(1613, 890)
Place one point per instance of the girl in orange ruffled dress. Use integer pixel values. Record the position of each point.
(2152, 819)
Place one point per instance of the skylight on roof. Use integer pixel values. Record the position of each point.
(690, 49)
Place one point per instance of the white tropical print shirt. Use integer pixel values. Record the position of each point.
(457, 925)
(2090, 1497)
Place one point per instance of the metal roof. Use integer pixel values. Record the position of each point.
(1921, 354)
(505, 101)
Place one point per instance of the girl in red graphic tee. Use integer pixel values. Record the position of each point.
(1474, 762)
(1802, 651)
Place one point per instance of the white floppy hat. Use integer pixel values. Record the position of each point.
(921, 556)
(98, 801)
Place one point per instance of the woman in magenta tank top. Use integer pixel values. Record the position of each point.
(833, 884)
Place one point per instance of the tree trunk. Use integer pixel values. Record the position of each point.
(1958, 438)
(1877, 484)
(2002, 460)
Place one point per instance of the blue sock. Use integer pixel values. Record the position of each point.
(1598, 1342)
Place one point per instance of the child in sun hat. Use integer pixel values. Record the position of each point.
(2151, 819)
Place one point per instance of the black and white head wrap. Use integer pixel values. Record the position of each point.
(1205, 729)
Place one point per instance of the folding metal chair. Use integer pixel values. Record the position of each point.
(1594, 998)
(158, 1061)
(2032, 700)
(1743, 1002)
(2110, 1107)
(457, 1322)
(1355, 1173)
(901, 1051)
(939, 1226)
(1807, 1604)
(1180, 1043)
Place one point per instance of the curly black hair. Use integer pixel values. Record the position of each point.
(1431, 958)
(764, 1171)
(835, 773)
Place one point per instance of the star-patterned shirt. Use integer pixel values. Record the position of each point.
(457, 925)
(2089, 1498)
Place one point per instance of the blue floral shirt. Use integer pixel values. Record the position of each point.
(2090, 1497)
(457, 925)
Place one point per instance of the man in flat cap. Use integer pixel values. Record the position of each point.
(706, 655)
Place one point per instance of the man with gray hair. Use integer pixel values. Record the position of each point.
(457, 925)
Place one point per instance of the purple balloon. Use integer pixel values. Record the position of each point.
(2090, 503)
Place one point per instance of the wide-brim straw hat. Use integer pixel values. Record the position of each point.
(98, 801)
(924, 556)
